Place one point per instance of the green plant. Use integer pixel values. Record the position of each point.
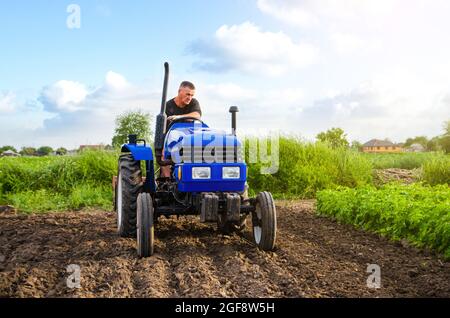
(305, 168)
(408, 160)
(419, 214)
(437, 171)
(132, 122)
(335, 137)
(57, 183)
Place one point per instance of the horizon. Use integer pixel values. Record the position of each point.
(376, 69)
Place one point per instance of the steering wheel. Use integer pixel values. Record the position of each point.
(183, 119)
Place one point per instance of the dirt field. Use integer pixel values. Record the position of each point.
(316, 257)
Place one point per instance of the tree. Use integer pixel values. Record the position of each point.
(28, 151)
(335, 137)
(444, 140)
(61, 151)
(44, 151)
(132, 122)
(433, 144)
(422, 140)
(356, 145)
(5, 148)
(447, 127)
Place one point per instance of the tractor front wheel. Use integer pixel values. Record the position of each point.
(264, 222)
(129, 185)
(145, 228)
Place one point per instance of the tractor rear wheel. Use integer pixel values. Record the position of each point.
(129, 185)
(145, 228)
(264, 222)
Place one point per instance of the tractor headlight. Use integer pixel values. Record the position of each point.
(231, 172)
(201, 173)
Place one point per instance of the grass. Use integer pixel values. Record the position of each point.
(58, 183)
(407, 160)
(419, 214)
(44, 200)
(73, 182)
(305, 168)
(437, 171)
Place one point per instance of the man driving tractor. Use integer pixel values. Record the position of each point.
(183, 105)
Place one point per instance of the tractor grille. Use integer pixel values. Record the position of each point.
(211, 154)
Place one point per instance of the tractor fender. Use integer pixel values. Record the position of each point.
(139, 152)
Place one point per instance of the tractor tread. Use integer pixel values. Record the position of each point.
(268, 221)
(132, 186)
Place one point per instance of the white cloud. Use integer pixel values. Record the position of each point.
(64, 96)
(349, 25)
(7, 102)
(313, 13)
(260, 110)
(93, 120)
(396, 105)
(68, 114)
(69, 96)
(116, 82)
(346, 43)
(289, 12)
(246, 48)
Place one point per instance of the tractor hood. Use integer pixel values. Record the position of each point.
(187, 136)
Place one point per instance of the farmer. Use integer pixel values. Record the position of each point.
(183, 105)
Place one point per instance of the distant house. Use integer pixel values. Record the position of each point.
(10, 153)
(381, 146)
(415, 148)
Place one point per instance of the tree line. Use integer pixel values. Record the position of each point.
(336, 137)
(139, 123)
(31, 151)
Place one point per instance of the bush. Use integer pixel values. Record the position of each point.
(57, 183)
(437, 171)
(420, 214)
(60, 174)
(305, 168)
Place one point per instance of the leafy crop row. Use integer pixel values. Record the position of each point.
(419, 214)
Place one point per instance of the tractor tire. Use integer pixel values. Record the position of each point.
(264, 222)
(129, 185)
(145, 225)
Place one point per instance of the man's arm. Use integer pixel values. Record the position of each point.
(193, 114)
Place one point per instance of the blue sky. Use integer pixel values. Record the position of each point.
(377, 69)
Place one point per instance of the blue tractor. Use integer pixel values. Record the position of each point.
(208, 178)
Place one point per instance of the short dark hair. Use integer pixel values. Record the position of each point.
(187, 84)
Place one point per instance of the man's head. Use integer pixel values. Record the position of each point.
(185, 93)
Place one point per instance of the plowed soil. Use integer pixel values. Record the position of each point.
(315, 257)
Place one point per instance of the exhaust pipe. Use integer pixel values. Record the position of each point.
(161, 121)
(233, 111)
